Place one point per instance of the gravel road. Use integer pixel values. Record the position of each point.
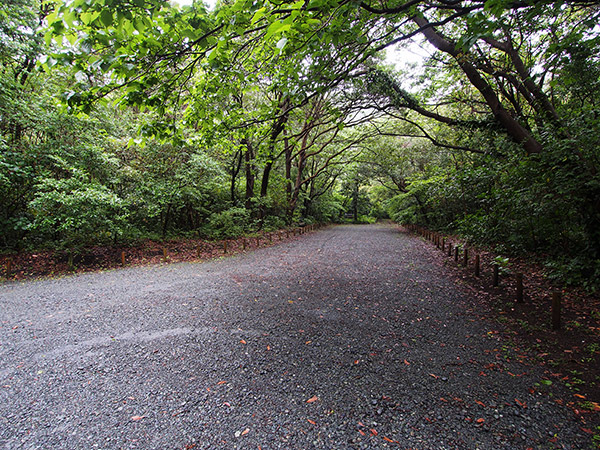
(346, 338)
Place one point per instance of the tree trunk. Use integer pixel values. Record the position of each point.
(249, 168)
(235, 170)
(514, 129)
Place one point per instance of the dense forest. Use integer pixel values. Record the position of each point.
(123, 120)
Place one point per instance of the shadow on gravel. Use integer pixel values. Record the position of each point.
(347, 338)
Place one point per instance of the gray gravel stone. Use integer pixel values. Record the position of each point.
(347, 338)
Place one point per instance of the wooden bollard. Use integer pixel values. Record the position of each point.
(449, 249)
(496, 277)
(466, 257)
(477, 265)
(270, 238)
(165, 253)
(244, 244)
(224, 246)
(257, 241)
(519, 277)
(456, 254)
(8, 267)
(556, 297)
(444, 244)
(122, 258)
(198, 251)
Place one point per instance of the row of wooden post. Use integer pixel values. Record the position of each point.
(295, 231)
(440, 242)
(8, 266)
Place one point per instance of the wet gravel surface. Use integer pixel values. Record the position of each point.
(346, 338)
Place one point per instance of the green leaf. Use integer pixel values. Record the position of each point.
(106, 17)
(258, 15)
(278, 27)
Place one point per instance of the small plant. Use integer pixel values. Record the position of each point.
(596, 437)
(502, 264)
(593, 348)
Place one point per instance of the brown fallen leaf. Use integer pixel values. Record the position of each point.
(388, 439)
(313, 399)
(246, 431)
(243, 341)
(520, 403)
(222, 382)
(481, 420)
(374, 431)
(136, 418)
(311, 421)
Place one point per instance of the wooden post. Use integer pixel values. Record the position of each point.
(270, 238)
(70, 263)
(243, 243)
(165, 254)
(496, 279)
(122, 258)
(449, 249)
(556, 297)
(257, 241)
(198, 251)
(224, 246)
(444, 244)
(456, 253)
(8, 267)
(466, 257)
(519, 277)
(477, 265)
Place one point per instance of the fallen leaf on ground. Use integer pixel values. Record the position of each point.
(520, 403)
(243, 341)
(136, 418)
(246, 431)
(311, 421)
(313, 399)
